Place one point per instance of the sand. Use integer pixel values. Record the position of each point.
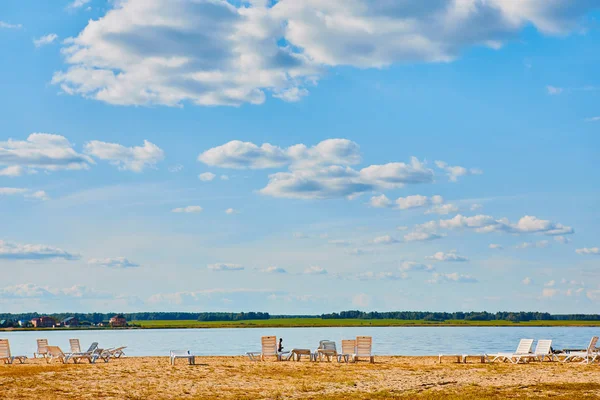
(239, 378)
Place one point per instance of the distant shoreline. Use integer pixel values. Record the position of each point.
(317, 323)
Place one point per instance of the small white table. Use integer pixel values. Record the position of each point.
(175, 354)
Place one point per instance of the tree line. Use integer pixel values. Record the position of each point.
(519, 316)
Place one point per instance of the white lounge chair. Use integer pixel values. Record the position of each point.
(327, 349)
(348, 350)
(543, 350)
(116, 352)
(5, 353)
(77, 355)
(54, 352)
(523, 351)
(268, 349)
(364, 346)
(586, 356)
(186, 354)
(42, 350)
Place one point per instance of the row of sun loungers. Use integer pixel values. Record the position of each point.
(352, 350)
(543, 351)
(50, 353)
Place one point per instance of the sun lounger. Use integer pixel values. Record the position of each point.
(348, 350)
(186, 354)
(77, 355)
(586, 356)
(523, 351)
(364, 345)
(543, 350)
(54, 352)
(5, 353)
(42, 350)
(327, 350)
(268, 349)
(115, 352)
(296, 354)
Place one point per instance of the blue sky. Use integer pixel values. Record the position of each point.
(207, 156)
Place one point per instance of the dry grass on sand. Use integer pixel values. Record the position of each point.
(238, 378)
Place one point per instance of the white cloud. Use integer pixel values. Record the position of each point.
(188, 209)
(454, 172)
(550, 283)
(214, 52)
(384, 276)
(451, 256)
(415, 201)
(386, 239)
(231, 211)
(247, 155)
(420, 236)
(414, 266)
(224, 177)
(40, 151)
(526, 281)
(553, 90)
(442, 209)
(175, 168)
(6, 25)
(45, 40)
(315, 270)
(206, 176)
(26, 193)
(77, 4)
(225, 267)
(273, 270)
(452, 277)
(134, 159)
(380, 201)
(486, 223)
(535, 245)
(496, 246)
(562, 239)
(548, 292)
(116, 262)
(33, 291)
(475, 207)
(16, 251)
(589, 251)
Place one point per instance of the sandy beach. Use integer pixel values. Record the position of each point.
(239, 378)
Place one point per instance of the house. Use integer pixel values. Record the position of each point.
(43, 322)
(70, 321)
(118, 321)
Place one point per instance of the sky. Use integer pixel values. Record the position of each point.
(299, 156)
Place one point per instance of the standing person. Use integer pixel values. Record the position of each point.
(280, 347)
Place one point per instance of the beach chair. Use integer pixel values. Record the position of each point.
(42, 350)
(268, 349)
(5, 353)
(327, 349)
(348, 350)
(364, 346)
(77, 355)
(543, 349)
(54, 352)
(523, 350)
(115, 352)
(186, 354)
(586, 356)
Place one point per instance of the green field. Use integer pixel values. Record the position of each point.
(318, 322)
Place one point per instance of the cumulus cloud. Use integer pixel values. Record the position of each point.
(77, 4)
(588, 251)
(116, 262)
(414, 266)
(496, 246)
(231, 211)
(45, 40)
(26, 193)
(217, 294)
(442, 209)
(421, 236)
(315, 270)
(386, 239)
(247, 155)
(40, 151)
(486, 223)
(550, 283)
(16, 251)
(384, 276)
(475, 207)
(452, 277)
(455, 172)
(225, 267)
(562, 239)
(380, 201)
(33, 291)
(217, 53)
(273, 270)
(188, 209)
(175, 168)
(526, 281)
(450, 256)
(549, 292)
(6, 25)
(134, 159)
(206, 176)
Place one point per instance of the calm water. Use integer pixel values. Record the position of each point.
(386, 341)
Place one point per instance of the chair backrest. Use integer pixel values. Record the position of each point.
(42, 345)
(543, 346)
(269, 345)
(348, 346)
(364, 346)
(55, 351)
(593, 343)
(92, 347)
(524, 346)
(75, 348)
(4, 348)
(327, 345)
